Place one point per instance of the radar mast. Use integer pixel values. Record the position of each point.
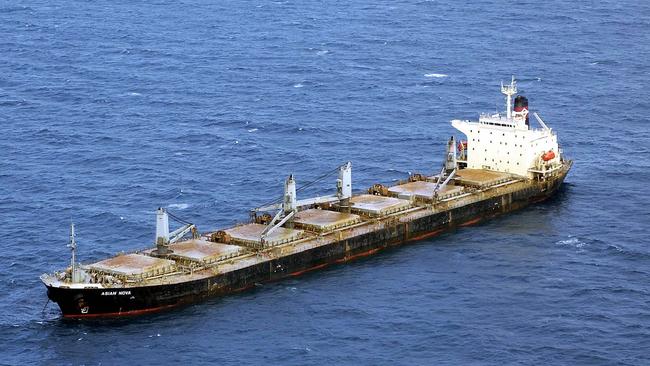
(509, 91)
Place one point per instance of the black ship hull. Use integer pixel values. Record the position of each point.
(114, 302)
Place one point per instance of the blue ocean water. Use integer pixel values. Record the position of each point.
(111, 109)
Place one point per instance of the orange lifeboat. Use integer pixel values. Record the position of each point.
(550, 155)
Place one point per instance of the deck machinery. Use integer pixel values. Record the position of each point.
(503, 164)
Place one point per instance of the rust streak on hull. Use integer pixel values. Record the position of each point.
(314, 268)
(471, 222)
(425, 236)
(359, 255)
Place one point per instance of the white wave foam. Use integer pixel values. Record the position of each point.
(435, 75)
(299, 85)
(322, 52)
(134, 94)
(574, 242)
(178, 206)
(252, 130)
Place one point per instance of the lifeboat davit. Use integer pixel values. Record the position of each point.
(550, 155)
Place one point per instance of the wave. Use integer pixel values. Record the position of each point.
(571, 241)
(178, 206)
(435, 75)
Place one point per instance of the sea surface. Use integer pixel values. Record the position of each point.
(111, 109)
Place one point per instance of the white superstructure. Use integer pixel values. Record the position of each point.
(508, 143)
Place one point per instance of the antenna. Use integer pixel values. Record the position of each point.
(73, 248)
(509, 91)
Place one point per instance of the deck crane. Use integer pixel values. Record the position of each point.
(290, 205)
(449, 169)
(164, 237)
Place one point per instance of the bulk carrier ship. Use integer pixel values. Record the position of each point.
(502, 165)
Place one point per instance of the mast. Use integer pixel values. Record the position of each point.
(509, 91)
(73, 248)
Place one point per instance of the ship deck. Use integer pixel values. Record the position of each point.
(372, 205)
(480, 177)
(202, 251)
(324, 220)
(252, 234)
(423, 190)
(134, 264)
(370, 213)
